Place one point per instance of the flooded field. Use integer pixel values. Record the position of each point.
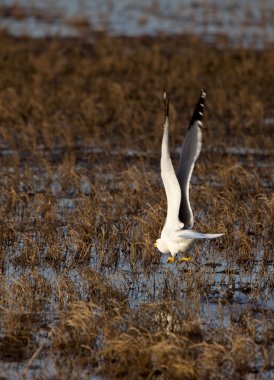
(237, 23)
(83, 292)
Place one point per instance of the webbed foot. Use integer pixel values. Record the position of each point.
(170, 260)
(184, 260)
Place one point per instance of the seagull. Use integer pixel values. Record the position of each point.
(177, 234)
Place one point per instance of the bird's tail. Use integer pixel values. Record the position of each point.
(189, 234)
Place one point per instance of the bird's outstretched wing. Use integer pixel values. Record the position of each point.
(189, 154)
(171, 184)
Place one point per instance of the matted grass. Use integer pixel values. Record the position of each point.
(83, 290)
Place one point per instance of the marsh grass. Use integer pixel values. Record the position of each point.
(82, 203)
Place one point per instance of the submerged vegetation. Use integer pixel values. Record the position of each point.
(83, 291)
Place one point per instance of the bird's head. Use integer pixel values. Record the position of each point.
(160, 244)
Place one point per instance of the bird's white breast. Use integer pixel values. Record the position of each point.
(174, 243)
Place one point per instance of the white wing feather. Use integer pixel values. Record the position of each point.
(171, 184)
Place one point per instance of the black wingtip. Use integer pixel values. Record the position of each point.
(199, 109)
(166, 104)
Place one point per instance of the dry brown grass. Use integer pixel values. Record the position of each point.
(82, 202)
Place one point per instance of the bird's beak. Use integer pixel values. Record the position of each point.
(155, 245)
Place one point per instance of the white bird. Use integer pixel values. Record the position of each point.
(177, 234)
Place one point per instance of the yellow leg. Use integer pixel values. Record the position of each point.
(170, 260)
(184, 259)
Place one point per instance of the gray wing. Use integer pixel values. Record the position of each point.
(189, 154)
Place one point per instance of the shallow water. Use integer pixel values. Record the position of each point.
(226, 290)
(240, 23)
(228, 282)
(50, 250)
